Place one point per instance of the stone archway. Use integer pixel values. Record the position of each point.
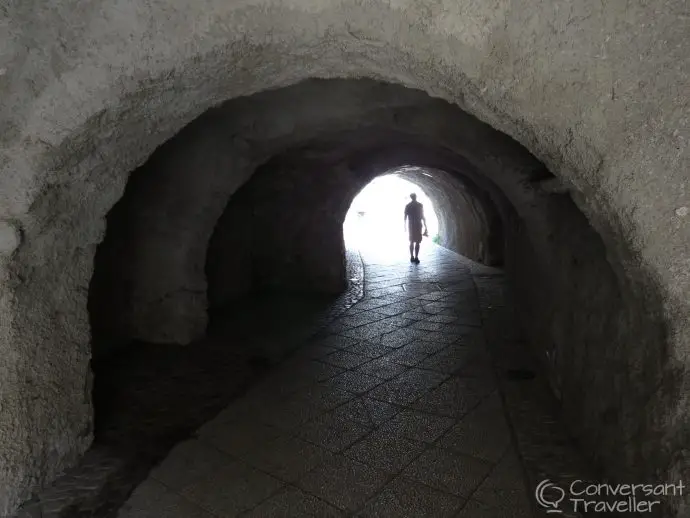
(82, 114)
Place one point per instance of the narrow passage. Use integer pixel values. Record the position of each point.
(391, 410)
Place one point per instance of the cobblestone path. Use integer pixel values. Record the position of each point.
(417, 401)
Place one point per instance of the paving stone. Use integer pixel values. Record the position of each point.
(420, 378)
(355, 382)
(337, 341)
(511, 499)
(153, 500)
(446, 401)
(317, 371)
(507, 474)
(369, 349)
(447, 471)
(395, 340)
(436, 336)
(385, 450)
(191, 461)
(326, 395)
(372, 330)
(414, 315)
(428, 348)
(444, 319)
(425, 325)
(369, 303)
(394, 309)
(295, 412)
(358, 319)
(381, 368)
(483, 433)
(407, 355)
(345, 359)
(436, 295)
(332, 432)
(420, 426)
(236, 437)
(231, 489)
(292, 502)
(345, 483)
(475, 509)
(367, 411)
(395, 391)
(428, 434)
(405, 498)
(288, 458)
(449, 360)
(384, 291)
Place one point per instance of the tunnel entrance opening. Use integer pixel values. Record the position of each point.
(375, 219)
(237, 173)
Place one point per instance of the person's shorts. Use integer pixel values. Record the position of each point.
(415, 235)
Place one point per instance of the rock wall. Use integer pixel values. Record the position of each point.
(594, 90)
(149, 280)
(469, 222)
(580, 324)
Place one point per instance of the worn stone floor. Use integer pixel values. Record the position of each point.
(394, 409)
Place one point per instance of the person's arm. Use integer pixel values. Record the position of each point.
(405, 220)
(423, 220)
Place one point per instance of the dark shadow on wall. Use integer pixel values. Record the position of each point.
(150, 397)
(572, 304)
(600, 334)
(148, 282)
(280, 227)
(110, 290)
(283, 230)
(469, 222)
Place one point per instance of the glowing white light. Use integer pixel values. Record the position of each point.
(376, 215)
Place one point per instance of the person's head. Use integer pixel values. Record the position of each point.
(413, 196)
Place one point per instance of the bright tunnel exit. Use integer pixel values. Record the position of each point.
(376, 215)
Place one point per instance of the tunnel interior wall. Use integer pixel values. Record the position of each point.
(230, 269)
(587, 324)
(149, 281)
(284, 227)
(296, 203)
(576, 318)
(295, 207)
(469, 222)
(587, 316)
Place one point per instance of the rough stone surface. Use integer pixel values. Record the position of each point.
(469, 221)
(438, 433)
(285, 226)
(145, 277)
(594, 90)
(296, 217)
(9, 239)
(148, 270)
(142, 413)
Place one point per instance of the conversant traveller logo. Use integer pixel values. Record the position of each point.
(584, 497)
(549, 496)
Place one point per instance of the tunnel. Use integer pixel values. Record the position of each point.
(166, 165)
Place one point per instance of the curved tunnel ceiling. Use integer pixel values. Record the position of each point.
(185, 186)
(312, 186)
(307, 150)
(87, 102)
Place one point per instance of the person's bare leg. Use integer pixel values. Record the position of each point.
(411, 250)
(416, 252)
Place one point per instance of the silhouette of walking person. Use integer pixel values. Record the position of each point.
(414, 217)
